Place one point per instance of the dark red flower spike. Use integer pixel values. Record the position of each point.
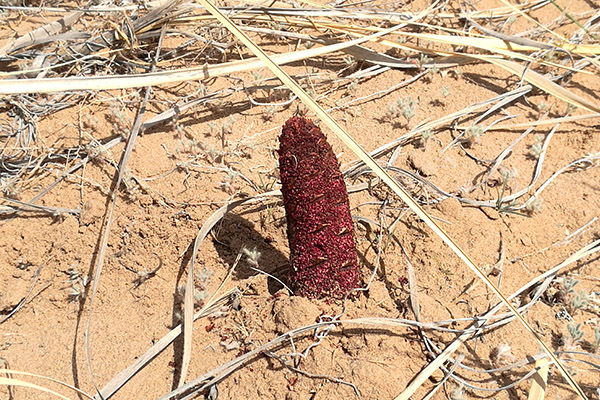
(323, 260)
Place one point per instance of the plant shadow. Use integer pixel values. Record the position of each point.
(235, 233)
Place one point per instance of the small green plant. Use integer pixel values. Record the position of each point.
(200, 292)
(542, 107)
(212, 155)
(501, 205)
(179, 297)
(572, 341)
(276, 26)
(311, 92)
(458, 393)
(269, 113)
(239, 148)
(425, 136)
(78, 284)
(408, 108)
(9, 187)
(445, 90)
(199, 297)
(533, 205)
(550, 56)
(129, 181)
(212, 128)
(392, 111)
(510, 21)
(90, 122)
(422, 61)
(117, 118)
(405, 107)
(537, 147)
(204, 274)
(502, 354)
(596, 344)
(257, 76)
(252, 256)
(570, 109)
(568, 285)
(348, 61)
(308, 45)
(575, 332)
(180, 129)
(571, 299)
(472, 133)
(264, 184)
(353, 87)
(506, 175)
(229, 184)
(227, 129)
(579, 301)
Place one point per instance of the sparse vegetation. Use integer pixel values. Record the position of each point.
(471, 134)
(445, 91)
(131, 128)
(404, 107)
(77, 285)
(537, 147)
(572, 300)
(502, 354)
(425, 136)
(533, 205)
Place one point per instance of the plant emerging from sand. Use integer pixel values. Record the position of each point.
(323, 259)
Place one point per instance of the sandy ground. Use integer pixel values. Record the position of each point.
(180, 173)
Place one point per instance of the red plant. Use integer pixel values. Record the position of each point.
(323, 260)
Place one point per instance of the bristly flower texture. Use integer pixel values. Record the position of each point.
(323, 261)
